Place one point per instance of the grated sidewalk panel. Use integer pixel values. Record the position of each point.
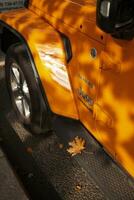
(112, 180)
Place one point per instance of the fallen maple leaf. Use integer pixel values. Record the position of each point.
(76, 146)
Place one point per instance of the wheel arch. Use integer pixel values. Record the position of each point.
(31, 33)
(8, 33)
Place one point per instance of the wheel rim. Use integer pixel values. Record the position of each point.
(20, 91)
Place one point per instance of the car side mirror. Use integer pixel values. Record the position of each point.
(116, 17)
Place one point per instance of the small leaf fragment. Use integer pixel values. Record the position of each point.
(29, 150)
(78, 187)
(61, 146)
(76, 146)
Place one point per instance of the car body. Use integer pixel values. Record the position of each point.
(86, 74)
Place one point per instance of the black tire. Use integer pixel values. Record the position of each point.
(18, 58)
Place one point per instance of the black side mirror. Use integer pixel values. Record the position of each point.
(116, 17)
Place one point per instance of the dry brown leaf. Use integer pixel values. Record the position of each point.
(76, 146)
(29, 150)
(61, 146)
(78, 187)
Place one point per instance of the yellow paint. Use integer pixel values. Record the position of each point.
(41, 37)
(107, 79)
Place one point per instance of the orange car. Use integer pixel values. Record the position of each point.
(59, 61)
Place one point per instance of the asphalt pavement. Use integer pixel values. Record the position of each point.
(10, 185)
